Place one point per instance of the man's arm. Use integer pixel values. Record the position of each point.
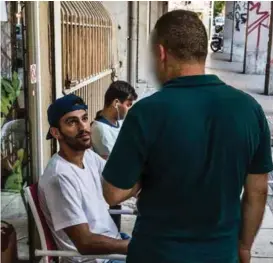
(255, 189)
(253, 206)
(88, 243)
(114, 196)
(123, 169)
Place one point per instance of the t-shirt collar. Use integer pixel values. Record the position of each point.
(193, 81)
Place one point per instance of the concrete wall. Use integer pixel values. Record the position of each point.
(270, 72)
(118, 11)
(269, 66)
(257, 37)
(46, 77)
(40, 93)
(239, 31)
(228, 28)
(144, 17)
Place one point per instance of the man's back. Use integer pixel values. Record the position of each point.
(202, 138)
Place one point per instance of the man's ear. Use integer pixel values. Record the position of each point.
(162, 53)
(55, 132)
(115, 103)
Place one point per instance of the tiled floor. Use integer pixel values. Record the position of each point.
(13, 211)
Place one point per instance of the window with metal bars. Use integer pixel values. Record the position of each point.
(87, 53)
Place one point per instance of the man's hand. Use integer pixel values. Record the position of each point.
(244, 255)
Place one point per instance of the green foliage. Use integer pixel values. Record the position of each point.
(218, 7)
(15, 179)
(10, 90)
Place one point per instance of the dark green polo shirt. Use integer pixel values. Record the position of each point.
(192, 145)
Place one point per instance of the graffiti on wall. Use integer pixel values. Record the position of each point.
(240, 14)
(230, 15)
(261, 20)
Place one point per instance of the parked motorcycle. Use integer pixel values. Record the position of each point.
(217, 39)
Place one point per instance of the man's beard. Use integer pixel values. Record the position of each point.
(74, 143)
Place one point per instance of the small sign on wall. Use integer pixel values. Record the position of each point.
(33, 79)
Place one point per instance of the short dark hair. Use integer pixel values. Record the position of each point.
(120, 90)
(183, 34)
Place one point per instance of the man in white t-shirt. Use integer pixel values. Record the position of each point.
(70, 191)
(105, 128)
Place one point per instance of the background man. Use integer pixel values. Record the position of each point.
(70, 191)
(118, 100)
(201, 142)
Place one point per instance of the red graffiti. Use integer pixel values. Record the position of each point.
(271, 62)
(260, 22)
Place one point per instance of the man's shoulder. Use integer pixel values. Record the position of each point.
(148, 102)
(55, 168)
(99, 127)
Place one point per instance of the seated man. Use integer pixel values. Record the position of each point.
(105, 129)
(70, 191)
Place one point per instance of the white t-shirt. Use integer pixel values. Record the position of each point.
(104, 137)
(70, 196)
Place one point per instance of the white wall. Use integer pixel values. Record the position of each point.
(118, 11)
(228, 28)
(270, 72)
(239, 35)
(143, 21)
(257, 37)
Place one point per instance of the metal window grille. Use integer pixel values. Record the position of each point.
(87, 59)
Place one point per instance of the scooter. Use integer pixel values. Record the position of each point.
(217, 39)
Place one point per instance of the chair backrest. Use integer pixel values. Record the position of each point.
(46, 238)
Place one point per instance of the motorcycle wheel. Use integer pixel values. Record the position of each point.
(214, 46)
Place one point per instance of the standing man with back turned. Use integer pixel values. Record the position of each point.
(201, 142)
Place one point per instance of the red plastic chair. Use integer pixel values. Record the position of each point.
(49, 248)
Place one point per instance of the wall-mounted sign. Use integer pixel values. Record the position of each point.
(33, 74)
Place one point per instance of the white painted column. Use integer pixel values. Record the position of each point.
(58, 48)
(269, 67)
(38, 93)
(228, 28)
(239, 31)
(257, 37)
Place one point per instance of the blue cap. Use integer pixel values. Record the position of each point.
(62, 106)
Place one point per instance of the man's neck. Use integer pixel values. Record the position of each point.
(109, 115)
(72, 156)
(185, 70)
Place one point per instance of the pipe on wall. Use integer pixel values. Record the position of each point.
(268, 64)
(129, 42)
(137, 44)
